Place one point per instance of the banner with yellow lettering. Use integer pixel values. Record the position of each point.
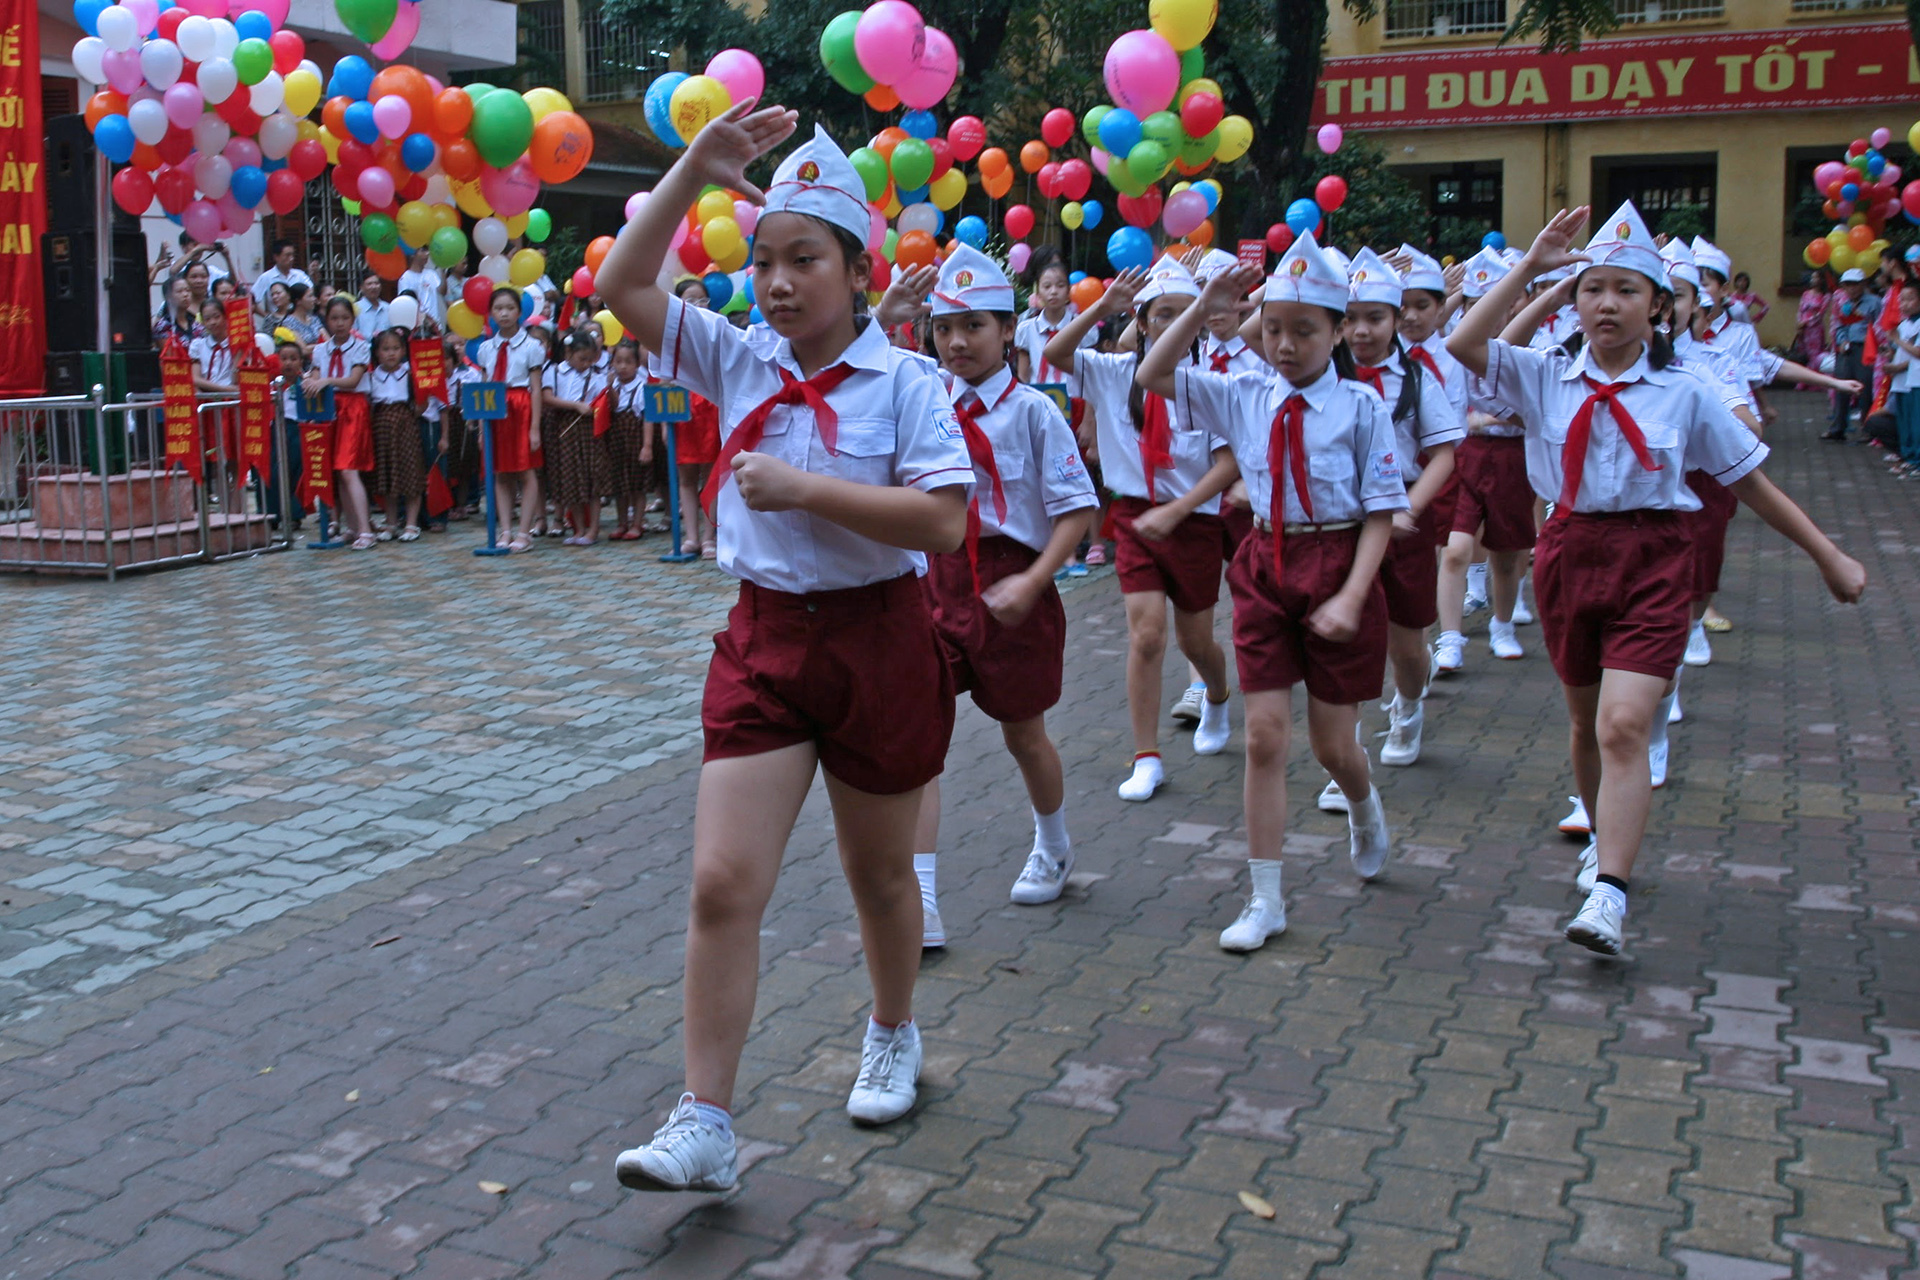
(23, 202)
(256, 417)
(180, 408)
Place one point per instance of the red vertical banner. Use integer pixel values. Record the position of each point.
(256, 418)
(240, 327)
(23, 202)
(179, 406)
(429, 360)
(316, 454)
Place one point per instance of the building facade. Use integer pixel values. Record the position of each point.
(1710, 114)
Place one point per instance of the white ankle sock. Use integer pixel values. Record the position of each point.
(719, 1117)
(923, 868)
(1050, 833)
(1266, 878)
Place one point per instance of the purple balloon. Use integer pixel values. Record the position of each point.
(184, 105)
(123, 70)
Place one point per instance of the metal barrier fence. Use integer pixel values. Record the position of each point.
(85, 487)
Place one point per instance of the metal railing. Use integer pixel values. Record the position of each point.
(1651, 11)
(1414, 19)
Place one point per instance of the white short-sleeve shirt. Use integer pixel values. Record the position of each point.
(1686, 426)
(213, 359)
(1031, 336)
(425, 287)
(334, 359)
(896, 427)
(628, 397)
(1231, 356)
(525, 358)
(1910, 380)
(1428, 421)
(1041, 474)
(1452, 374)
(390, 388)
(1715, 366)
(1106, 380)
(269, 278)
(569, 383)
(1353, 466)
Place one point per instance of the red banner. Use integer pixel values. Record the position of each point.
(256, 419)
(23, 202)
(240, 327)
(1703, 73)
(179, 407)
(316, 456)
(428, 359)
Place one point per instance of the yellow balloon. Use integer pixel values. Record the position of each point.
(1200, 85)
(416, 223)
(891, 209)
(697, 100)
(543, 102)
(301, 92)
(1178, 187)
(467, 196)
(1072, 215)
(1182, 23)
(305, 130)
(720, 237)
(1913, 136)
(610, 327)
(733, 261)
(1842, 257)
(1877, 248)
(1236, 135)
(444, 215)
(714, 204)
(517, 225)
(1837, 237)
(948, 189)
(462, 320)
(332, 144)
(524, 267)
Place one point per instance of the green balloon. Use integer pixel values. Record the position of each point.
(1148, 160)
(887, 245)
(912, 165)
(872, 168)
(1193, 65)
(838, 57)
(501, 129)
(539, 225)
(352, 208)
(1122, 177)
(378, 233)
(368, 19)
(447, 246)
(253, 60)
(1165, 128)
(1195, 152)
(478, 90)
(738, 302)
(1090, 123)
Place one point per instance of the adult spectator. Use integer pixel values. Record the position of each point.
(1756, 307)
(370, 309)
(1850, 318)
(1810, 319)
(422, 280)
(281, 272)
(303, 319)
(177, 319)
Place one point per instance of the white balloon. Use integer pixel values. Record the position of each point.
(308, 64)
(226, 38)
(149, 121)
(403, 313)
(919, 217)
(213, 175)
(118, 28)
(439, 191)
(88, 52)
(490, 238)
(160, 63)
(264, 341)
(195, 38)
(278, 133)
(494, 267)
(267, 96)
(217, 80)
(211, 135)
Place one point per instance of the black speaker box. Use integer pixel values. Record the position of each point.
(71, 282)
(70, 174)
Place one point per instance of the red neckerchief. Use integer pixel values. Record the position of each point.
(1287, 455)
(1047, 335)
(1156, 439)
(337, 365)
(1573, 454)
(746, 437)
(1425, 357)
(1370, 374)
(1221, 359)
(980, 453)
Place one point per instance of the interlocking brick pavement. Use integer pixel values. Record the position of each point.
(333, 886)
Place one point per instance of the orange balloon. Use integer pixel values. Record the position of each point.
(993, 161)
(461, 160)
(1088, 292)
(998, 184)
(597, 251)
(915, 249)
(107, 102)
(562, 144)
(1201, 235)
(881, 98)
(1034, 155)
(146, 158)
(888, 138)
(389, 265)
(1859, 239)
(452, 113)
(410, 84)
(333, 117)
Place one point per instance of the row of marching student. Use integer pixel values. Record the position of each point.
(896, 521)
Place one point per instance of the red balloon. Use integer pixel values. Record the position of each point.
(1910, 198)
(1201, 113)
(346, 181)
(1142, 210)
(942, 157)
(170, 21)
(693, 255)
(1330, 192)
(1076, 179)
(1019, 222)
(1056, 127)
(177, 145)
(476, 293)
(308, 159)
(239, 116)
(966, 136)
(582, 282)
(1049, 178)
(288, 51)
(174, 187)
(354, 156)
(285, 190)
(1858, 147)
(881, 275)
(412, 189)
(1279, 237)
(132, 191)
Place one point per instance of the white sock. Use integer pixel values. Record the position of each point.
(1050, 833)
(877, 1032)
(1477, 578)
(923, 868)
(1661, 710)
(1403, 706)
(1614, 894)
(719, 1117)
(1266, 878)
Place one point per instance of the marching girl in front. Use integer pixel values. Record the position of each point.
(994, 604)
(399, 469)
(340, 364)
(568, 392)
(1317, 452)
(515, 357)
(842, 465)
(1610, 434)
(1166, 511)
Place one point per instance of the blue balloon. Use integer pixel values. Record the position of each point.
(473, 349)
(1303, 215)
(1130, 248)
(114, 136)
(972, 230)
(1211, 196)
(254, 25)
(920, 124)
(529, 302)
(754, 317)
(659, 107)
(272, 166)
(1091, 211)
(352, 76)
(1876, 165)
(1849, 191)
(747, 288)
(359, 121)
(418, 152)
(1493, 240)
(87, 14)
(1076, 277)
(249, 185)
(1119, 131)
(719, 289)
(916, 196)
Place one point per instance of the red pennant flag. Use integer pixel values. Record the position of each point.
(429, 360)
(180, 409)
(240, 327)
(603, 412)
(316, 458)
(439, 497)
(256, 417)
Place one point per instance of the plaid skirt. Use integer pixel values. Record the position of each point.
(399, 470)
(573, 473)
(628, 479)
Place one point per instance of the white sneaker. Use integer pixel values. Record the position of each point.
(1597, 927)
(1449, 653)
(1657, 759)
(1332, 798)
(1187, 710)
(1505, 644)
(1259, 920)
(933, 932)
(1404, 727)
(1675, 716)
(1148, 773)
(1577, 823)
(1215, 727)
(1589, 873)
(1522, 613)
(1042, 879)
(1699, 648)
(1370, 840)
(889, 1070)
(686, 1154)
(1476, 596)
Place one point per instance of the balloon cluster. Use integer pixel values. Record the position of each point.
(1309, 213)
(888, 54)
(386, 27)
(711, 242)
(679, 105)
(1861, 192)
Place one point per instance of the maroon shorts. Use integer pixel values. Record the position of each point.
(1718, 506)
(858, 673)
(1271, 642)
(1014, 672)
(1236, 524)
(1410, 573)
(1186, 566)
(1615, 591)
(513, 437)
(352, 432)
(1494, 492)
(1441, 508)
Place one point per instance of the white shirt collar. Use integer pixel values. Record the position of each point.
(989, 391)
(867, 352)
(1318, 392)
(1640, 371)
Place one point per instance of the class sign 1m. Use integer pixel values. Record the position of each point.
(1856, 64)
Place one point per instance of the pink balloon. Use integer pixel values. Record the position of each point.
(876, 229)
(242, 151)
(635, 203)
(392, 115)
(406, 25)
(236, 217)
(1100, 161)
(1827, 174)
(512, 190)
(1184, 211)
(1890, 176)
(932, 76)
(1018, 257)
(184, 106)
(202, 221)
(1880, 137)
(122, 67)
(376, 187)
(206, 8)
(146, 14)
(1330, 137)
(1142, 72)
(276, 10)
(740, 72)
(745, 216)
(889, 39)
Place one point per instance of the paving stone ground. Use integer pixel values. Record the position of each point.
(333, 886)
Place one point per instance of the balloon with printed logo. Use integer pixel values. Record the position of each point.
(838, 55)
(446, 246)
(1072, 215)
(933, 74)
(377, 232)
(1183, 24)
(512, 190)
(888, 38)
(696, 101)
(561, 146)
(1075, 179)
(1236, 135)
(971, 230)
(967, 136)
(1033, 155)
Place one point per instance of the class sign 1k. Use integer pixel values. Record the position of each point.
(1692, 74)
